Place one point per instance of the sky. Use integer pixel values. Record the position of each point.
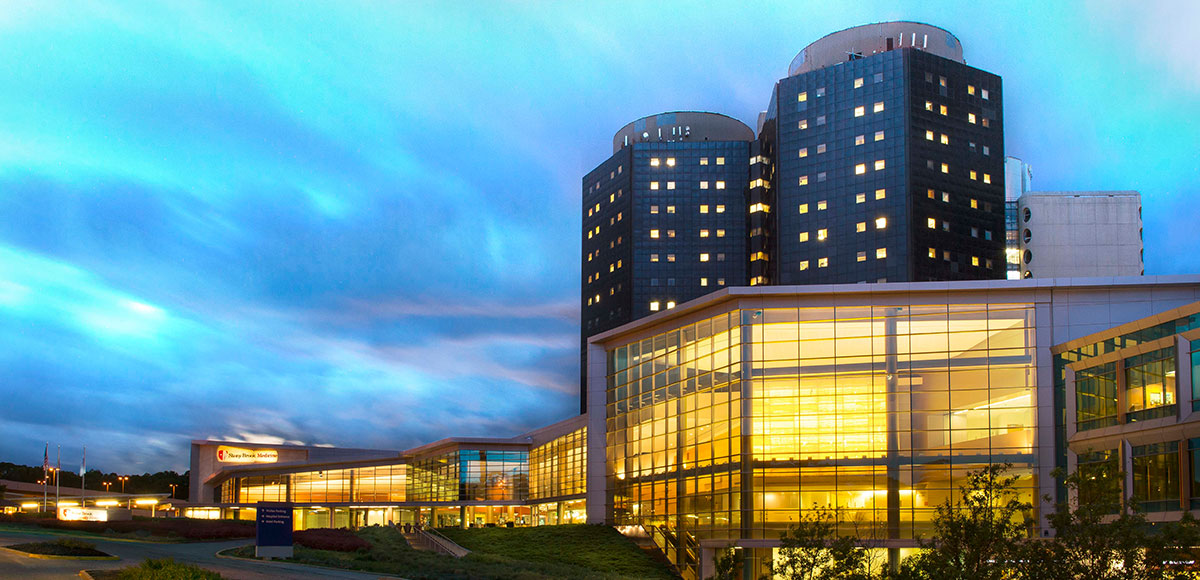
(357, 224)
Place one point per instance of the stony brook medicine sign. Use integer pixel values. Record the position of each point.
(226, 454)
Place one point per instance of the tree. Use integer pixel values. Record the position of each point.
(978, 536)
(812, 550)
(728, 564)
(1098, 535)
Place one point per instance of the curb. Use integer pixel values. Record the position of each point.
(86, 575)
(55, 557)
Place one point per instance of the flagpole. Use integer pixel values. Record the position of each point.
(57, 472)
(83, 479)
(45, 476)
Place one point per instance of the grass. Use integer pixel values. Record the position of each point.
(63, 547)
(165, 569)
(557, 556)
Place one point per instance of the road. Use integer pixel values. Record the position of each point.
(202, 554)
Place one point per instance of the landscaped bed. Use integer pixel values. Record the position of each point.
(168, 529)
(555, 556)
(156, 570)
(64, 548)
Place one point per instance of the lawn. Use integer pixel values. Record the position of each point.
(65, 547)
(160, 529)
(556, 556)
(156, 570)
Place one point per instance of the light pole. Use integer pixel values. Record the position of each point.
(173, 486)
(123, 479)
(106, 485)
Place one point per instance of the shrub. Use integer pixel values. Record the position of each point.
(338, 540)
(166, 569)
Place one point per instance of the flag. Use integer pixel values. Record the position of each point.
(46, 462)
(83, 464)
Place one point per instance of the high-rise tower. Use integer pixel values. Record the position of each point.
(664, 218)
(888, 165)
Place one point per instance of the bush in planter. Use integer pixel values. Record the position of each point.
(338, 540)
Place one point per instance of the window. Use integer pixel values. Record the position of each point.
(653, 209)
(720, 209)
(803, 237)
(879, 135)
(860, 198)
(670, 162)
(974, 176)
(822, 176)
(704, 233)
(670, 185)
(862, 257)
(802, 97)
(880, 223)
(756, 256)
(880, 253)
(703, 185)
(654, 234)
(932, 253)
(803, 265)
(945, 226)
(928, 105)
(942, 81)
(822, 205)
(803, 180)
(704, 257)
(703, 161)
(880, 194)
(984, 93)
(820, 148)
(987, 178)
(670, 233)
(654, 306)
(974, 232)
(757, 207)
(720, 281)
(860, 169)
(974, 260)
(704, 281)
(653, 257)
(670, 257)
(929, 135)
(929, 77)
(878, 107)
(720, 257)
(932, 223)
(945, 139)
(654, 162)
(670, 303)
(822, 262)
(860, 227)
(720, 233)
(654, 185)
(945, 168)
(942, 109)
(880, 164)
(860, 111)
(974, 202)
(860, 139)
(820, 92)
(858, 82)
(971, 118)
(670, 209)
(820, 120)
(970, 89)
(804, 208)
(803, 152)
(822, 234)
(720, 161)
(803, 124)
(930, 194)
(720, 184)
(946, 197)
(704, 208)
(986, 150)
(878, 77)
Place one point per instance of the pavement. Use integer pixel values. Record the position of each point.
(202, 554)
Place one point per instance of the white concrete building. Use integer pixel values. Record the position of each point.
(1077, 234)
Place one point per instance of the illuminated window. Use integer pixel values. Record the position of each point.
(880, 164)
(858, 82)
(720, 161)
(879, 135)
(946, 196)
(703, 257)
(670, 233)
(612, 197)
(704, 281)
(860, 227)
(670, 209)
(670, 257)
(822, 205)
(930, 193)
(860, 111)
(942, 81)
(860, 198)
(654, 185)
(880, 253)
(654, 306)
(822, 262)
(987, 178)
(929, 135)
(803, 124)
(880, 193)
(612, 268)
(880, 223)
(878, 107)
(704, 233)
(703, 185)
(942, 109)
(720, 209)
(945, 168)
(820, 92)
(757, 207)
(862, 257)
(654, 162)
(984, 93)
(820, 148)
(704, 208)
(804, 264)
(653, 257)
(986, 122)
(803, 180)
(970, 89)
(973, 174)
(802, 97)
(654, 234)
(974, 260)
(803, 236)
(670, 185)
(804, 152)
(974, 202)
(945, 139)
(822, 234)
(589, 301)
(971, 117)
(928, 105)
(703, 161)
(946, 255)
(860, 139)
(932, 223)
(597, 299)
(932, 253)
(756, 256)
(860, 169)
(720, 281)
(670, 162)
(720, 233)
(720, 184)
(804, 208)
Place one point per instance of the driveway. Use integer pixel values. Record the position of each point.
(202, 554)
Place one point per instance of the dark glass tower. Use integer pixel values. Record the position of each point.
(888, 163)
(663, 219)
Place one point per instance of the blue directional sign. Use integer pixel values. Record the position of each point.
(273, 537)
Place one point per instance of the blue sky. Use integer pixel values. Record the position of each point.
(357, 224)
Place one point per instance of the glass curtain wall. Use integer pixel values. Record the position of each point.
(1096, 397)
(1156, 476)
(1150, 385)
(558, 468)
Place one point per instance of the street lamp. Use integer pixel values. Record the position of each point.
(123, 479)
(106, 485)
(173, 486)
